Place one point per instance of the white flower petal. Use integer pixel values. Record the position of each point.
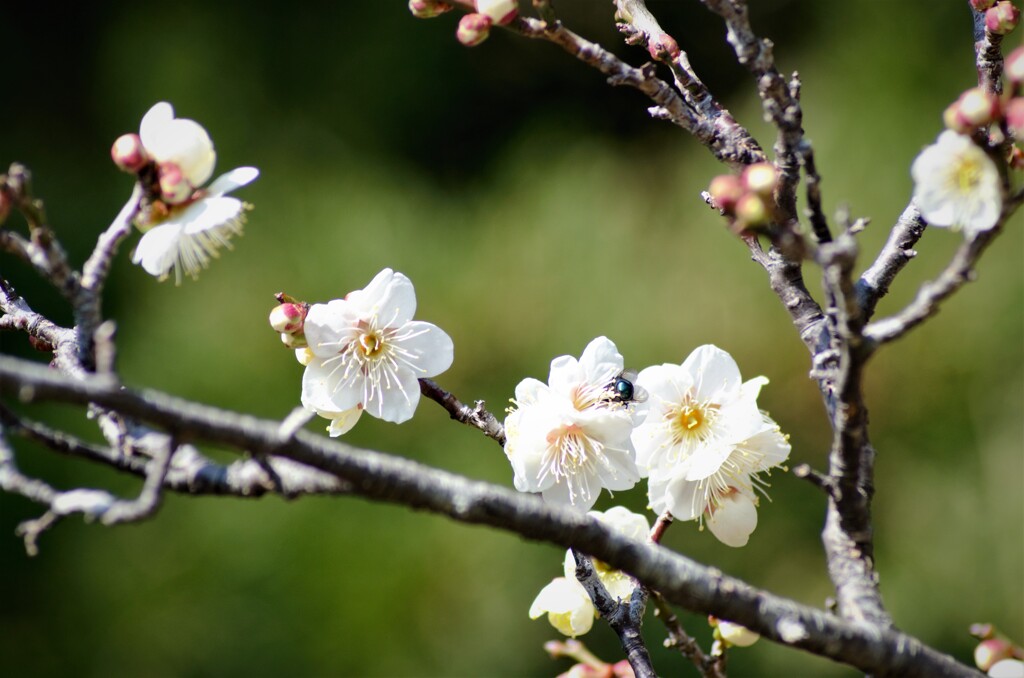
(180, 141)
(321, 389)
(396, 398)
(158, 249)
(210, 213)
(389, 300)
(426, 348)
(341, 422)
(733, 520)
(715, 374)
(565, 375)
(625, 522)
(235, 179)
(601, 361)
(567, 605)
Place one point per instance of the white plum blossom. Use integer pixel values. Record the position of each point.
(569, 438)
(187, 226)
(567, 605)
(704, 441)
(957, 185)
(366, 353)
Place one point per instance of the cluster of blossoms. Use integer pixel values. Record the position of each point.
(1001, 16)
(363, 353)
(474, 27)
(183, 224)
(748, 197)
(957, 182)
(694, 430)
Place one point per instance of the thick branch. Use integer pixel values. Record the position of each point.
(400, 481)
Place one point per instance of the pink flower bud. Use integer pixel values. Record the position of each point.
(428, 9)
(1015, 117)
(663, 47)
(1002, 18)
(952, 120)
(977, 107)
(992, 650)
(1013, 67)
(128, 153)
(288, 317)
(982, 5)
(473, 29)
(726, 190)
(751, 210)
(174, 188)
(501, 12)
(760, 178)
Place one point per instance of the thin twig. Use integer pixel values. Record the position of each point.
(477, 416)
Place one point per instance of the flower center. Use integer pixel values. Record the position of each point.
(371, 343)
(691, 420)
(968, 175)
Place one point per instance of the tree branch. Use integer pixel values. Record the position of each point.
(401, 481)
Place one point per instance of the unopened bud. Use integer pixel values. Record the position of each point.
(304, 355)
(473, 29)
(1015, 117)
(663, 47)
(726, 190)
(977, 107)
(1002, 18)
(760, 178)
(128, 153)
(751, 210)
(288, 317)
(428, 9)
(174, 188)
(981, 5)
(952, 120)
(500, 12)
(1013, 67)
(992, 650)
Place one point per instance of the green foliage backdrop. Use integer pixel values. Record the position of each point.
(534, 208)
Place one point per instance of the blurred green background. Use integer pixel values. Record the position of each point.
(534, 208)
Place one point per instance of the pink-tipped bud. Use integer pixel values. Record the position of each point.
(174, 188)
(760, 178)
(992, 650)
(428, 9)
(501, 12)
(982, 5)
(751, 210)
(726, 190)
(977, 107)
(473, 29)
(128, 153)
(952, 120)
(1002, 18)
(1015, 117)
(1013, 67)
(663, 47)
(288, 317)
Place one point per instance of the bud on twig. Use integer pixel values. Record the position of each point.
(663, 47)
(1014, 67)
(174, 188)
(977, 107)
(128, 153)
(751, 210)
(287, 317)
(991, 650)
(726, 190)
(473, 29)
(760, 178)
(428, 9)
(982, 5)
(1002, 18)
(1015, 117)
